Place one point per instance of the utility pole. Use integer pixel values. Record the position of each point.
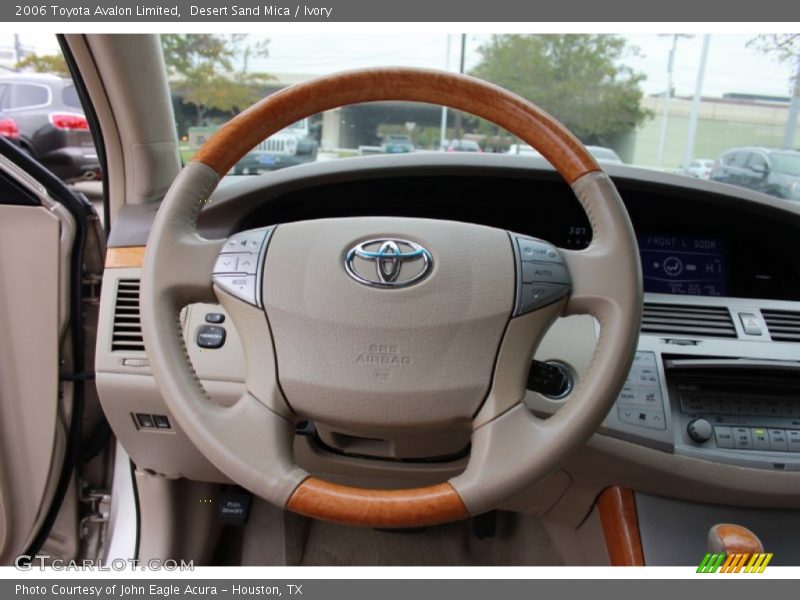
(698, 94)
(794, 108)
(667, 94)
(18, 50)
(443, 126)
(460, 70)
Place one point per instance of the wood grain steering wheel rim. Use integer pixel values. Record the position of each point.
(268, 116)
(174, 241)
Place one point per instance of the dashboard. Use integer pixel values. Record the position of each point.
(706, 244)
(715, 379)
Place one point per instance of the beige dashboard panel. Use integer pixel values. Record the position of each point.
(30, 273)
(602, 462)
(126, 386)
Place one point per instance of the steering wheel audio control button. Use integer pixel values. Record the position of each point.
(238, 266)
(246, 241)
(240, 286)
(226, 263)
(248, 263)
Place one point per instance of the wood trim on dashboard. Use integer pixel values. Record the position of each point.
(125, 257)
(268, 116)
(377, 508)
(617, 509)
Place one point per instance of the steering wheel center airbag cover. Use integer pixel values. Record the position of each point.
(378, 355)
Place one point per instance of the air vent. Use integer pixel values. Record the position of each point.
(127, 334)
(783, 326)
(679, 319)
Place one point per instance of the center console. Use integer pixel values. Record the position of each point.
(716, 379)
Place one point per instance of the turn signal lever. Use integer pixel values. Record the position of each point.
(552, 379)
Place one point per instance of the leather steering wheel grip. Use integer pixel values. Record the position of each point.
(510, 447)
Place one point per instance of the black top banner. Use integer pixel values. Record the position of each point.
(495, 11)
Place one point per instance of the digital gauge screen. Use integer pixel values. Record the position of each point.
(683, 265)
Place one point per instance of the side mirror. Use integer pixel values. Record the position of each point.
(762, 170)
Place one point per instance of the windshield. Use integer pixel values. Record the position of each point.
(300, 125)
(604, 154)
(787, 163)
(672, 103)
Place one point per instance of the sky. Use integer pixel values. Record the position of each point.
(732, 66)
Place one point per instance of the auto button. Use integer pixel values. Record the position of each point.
(544, 272)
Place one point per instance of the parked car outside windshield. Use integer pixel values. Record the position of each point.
(700, 168)
(463, 146)
(397, 144)
(771, 171)
(604, 155)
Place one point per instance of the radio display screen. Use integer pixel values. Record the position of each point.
(683, 265)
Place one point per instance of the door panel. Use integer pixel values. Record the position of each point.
(35, 242)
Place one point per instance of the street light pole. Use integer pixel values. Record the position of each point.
(698, 94)
(667, 94)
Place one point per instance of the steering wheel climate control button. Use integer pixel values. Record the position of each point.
(535, 250)
(541, 272)
(542, 278)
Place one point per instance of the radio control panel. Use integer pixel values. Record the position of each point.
(731, 410)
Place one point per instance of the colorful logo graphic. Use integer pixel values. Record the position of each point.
(735, 563)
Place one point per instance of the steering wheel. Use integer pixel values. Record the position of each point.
(411, 335)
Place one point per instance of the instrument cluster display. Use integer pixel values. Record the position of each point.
(683, 265)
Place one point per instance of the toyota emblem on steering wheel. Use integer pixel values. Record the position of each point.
(397, 262)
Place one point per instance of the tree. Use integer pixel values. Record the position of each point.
(579, 79)
(46, 63)
(785, 46)
(212, 71)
